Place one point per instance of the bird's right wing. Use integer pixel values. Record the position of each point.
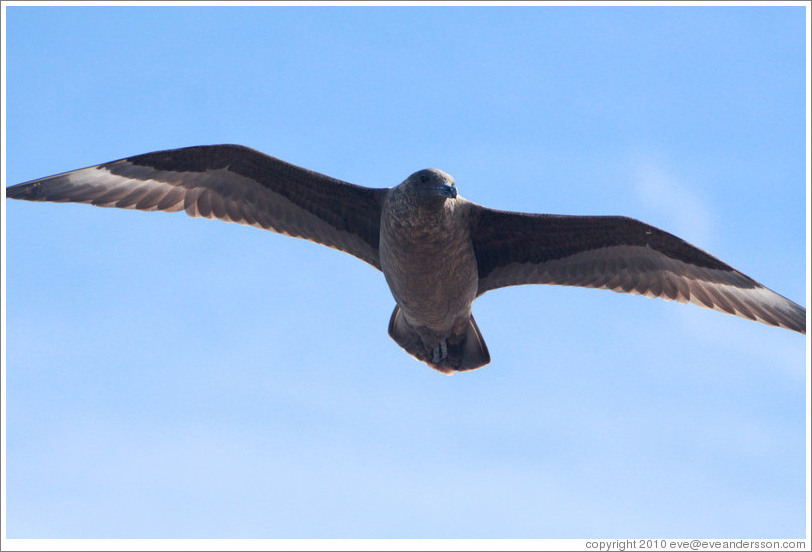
(620, 254)
(231, 183)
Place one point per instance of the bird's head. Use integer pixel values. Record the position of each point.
(430, 187)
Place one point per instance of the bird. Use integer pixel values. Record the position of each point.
(437, 250)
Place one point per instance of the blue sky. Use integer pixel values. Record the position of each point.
(177, 378)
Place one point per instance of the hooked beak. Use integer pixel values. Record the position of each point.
(446, 191)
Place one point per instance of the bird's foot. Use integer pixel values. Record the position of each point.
(440, 352)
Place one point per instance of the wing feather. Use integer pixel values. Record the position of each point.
(620, 254)
(230, 183)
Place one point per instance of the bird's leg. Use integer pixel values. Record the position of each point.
(440, 352)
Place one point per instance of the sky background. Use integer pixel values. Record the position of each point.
(177, 378)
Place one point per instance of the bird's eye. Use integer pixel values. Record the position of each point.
(424, 178)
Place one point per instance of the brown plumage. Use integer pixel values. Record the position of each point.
(437, 250)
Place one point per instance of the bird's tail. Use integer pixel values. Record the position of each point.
(473, 353)
(466, 351)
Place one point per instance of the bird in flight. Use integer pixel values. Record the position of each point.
(437, 250)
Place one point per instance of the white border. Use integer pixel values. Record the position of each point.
(381, 544)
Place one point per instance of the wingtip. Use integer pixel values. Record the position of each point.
(800, 325)
(27, 190)
(794, 321)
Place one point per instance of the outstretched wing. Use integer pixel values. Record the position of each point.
(231, 183)
(621, 254)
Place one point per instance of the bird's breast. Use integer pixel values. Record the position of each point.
(430, 266)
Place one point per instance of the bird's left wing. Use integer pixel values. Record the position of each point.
(620, 254)
(230, 183)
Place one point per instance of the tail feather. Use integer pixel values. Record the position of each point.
(474, 351)
(462, 352)
(404, 335)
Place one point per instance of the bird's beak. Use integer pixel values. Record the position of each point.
(446, 191)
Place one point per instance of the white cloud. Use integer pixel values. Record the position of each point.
(675, 201)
